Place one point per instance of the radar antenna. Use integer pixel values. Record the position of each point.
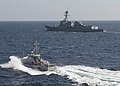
(36, 49)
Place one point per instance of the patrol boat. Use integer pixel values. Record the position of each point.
(76, 26)
(33, 60)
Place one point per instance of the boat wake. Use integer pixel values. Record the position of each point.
(81, 74)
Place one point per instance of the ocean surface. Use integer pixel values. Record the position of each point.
(91, 58)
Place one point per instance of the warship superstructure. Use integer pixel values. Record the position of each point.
(69, 26)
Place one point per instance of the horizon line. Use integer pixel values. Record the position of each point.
(60, 20)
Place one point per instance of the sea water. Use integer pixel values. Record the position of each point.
(91, 58)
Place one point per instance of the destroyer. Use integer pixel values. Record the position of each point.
(76, 26)
(33, 60)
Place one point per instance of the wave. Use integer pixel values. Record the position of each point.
(113, 32)
(78, 73)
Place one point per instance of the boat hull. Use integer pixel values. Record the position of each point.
(38, 66)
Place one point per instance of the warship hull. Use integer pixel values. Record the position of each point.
(73, 29)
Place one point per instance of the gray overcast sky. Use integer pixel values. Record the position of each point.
(15, 10)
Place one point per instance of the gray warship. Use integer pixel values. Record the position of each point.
(33, 60)
(76, 26)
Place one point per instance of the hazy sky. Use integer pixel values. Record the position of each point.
(53, 9)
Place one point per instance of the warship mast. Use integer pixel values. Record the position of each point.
(66, 16)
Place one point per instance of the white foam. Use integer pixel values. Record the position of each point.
(16, 63)
(78, 73)
(83, 74)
